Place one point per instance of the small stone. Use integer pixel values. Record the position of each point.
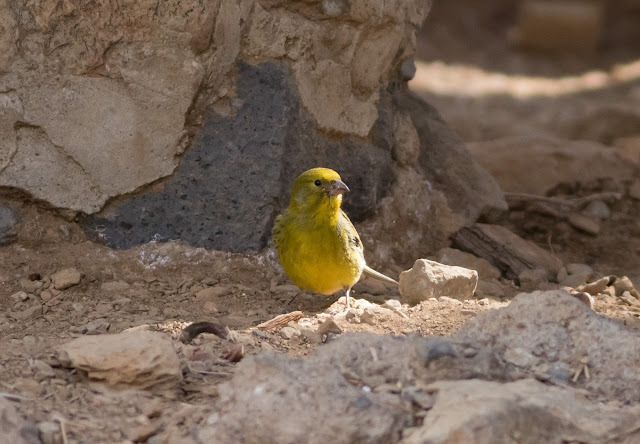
(585, 298)
(96, 327)
(29, 341)
(584, 223)
(628, 299)
(212, 293)
(30, 286)
(170, 312)
(597, 209)
(519, 357)
(114, 286)
(28, 313)
(141, 432)
(311, 336)
(43, 368)
(329, 326)
(595, 287)
(559, 371)
(20, 296)
(46, 295)
(624, 284)
(368, 317)
(609, 291)
(66, 278)
(49, 433)
(350, 315)
(289, 332)
(428, 278)
(448, 300)
(469, 352)
(77, 306)
(531, 280)
(9, 225)
(392, 304)
(408, 70)
(484, 301)
(580, 269)
(260, 334)
(634, 190)
(468, 313)
(491, 288)
(435, 349)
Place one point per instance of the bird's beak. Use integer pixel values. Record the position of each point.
(337, 187)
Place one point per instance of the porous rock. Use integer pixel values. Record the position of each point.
(427, 279)
(135, 360)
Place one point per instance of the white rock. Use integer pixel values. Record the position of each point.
(429, 279)
(133, 360)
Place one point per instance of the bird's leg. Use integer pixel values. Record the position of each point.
(348, 291)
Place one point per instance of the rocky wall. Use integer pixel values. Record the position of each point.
(189, 120)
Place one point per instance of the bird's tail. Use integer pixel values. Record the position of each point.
(376, 274)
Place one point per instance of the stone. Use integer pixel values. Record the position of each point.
(212, 293)
(490, 289)
(435, 349)
(624, 284)
(50, 432)
(634, 190)
(427, 279)
(451, 256)
(597, 209)
(520, 357)
(583, 223)
(16, 429)
(392, 304)
(9, 222)
(32, 312)
(20, 296)
(532, 279)
(368, 317)
(509, 160)
(210, 307)
(66, 278)
(628, 299)
(596, 287)
(487, 412)
(289, 332)
(329, 326)
(582, 269)
(135, 360)
(115, 286)
(506, 250)
(235, 211)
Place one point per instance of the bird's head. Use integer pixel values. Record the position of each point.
(317, 189)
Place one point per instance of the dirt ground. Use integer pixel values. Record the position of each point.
(156, 286)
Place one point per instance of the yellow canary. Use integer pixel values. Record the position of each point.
(318, 246)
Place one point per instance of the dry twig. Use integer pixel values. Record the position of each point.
(281, 320)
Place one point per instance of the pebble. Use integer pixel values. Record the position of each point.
(329, 326)
(595, 287)
(436, 349)
(559, 371)
(468, 313)
(46, 295)
(43, 368)
(66, 278)
(289, 332)
(259, 333)
(624, 284)
(49, 432)
(519, 357)
(392, 304)
(28, 313)
(20, 296)
(585, 298)
(350, 315)
(484, 301)
(29, 340)
(368, 317)
(449, 300)
(469, 352)
(115, 286)
(597, 209)
(584, 223)
(210, 307)
(212, 293)
(628, 299)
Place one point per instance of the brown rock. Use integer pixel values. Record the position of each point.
(66, 278)
(451, 256)
(584, 223)
(596, 287)
(141, 359)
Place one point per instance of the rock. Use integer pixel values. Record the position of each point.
(212, 293)
(628, 299)
(574, 275)
(585, 298)
(509, 160)
(490, 289)
(20, 296)
(14, 428)
(32, 312)
(210, 307)
(597, 209)
(435, 349)
(135, 360)
(634, 190)
(555, 326)
(96, 327)
(9, 224)
(583, 223)
(368, 317)
(289, 332)
(532, 279)
(487, 412)
(428, 279)
(451, 256)
(65, 278)
(624, 284)
(115, 286)
(520, 357)
(329, 326)
(392, 304)
(595, 287)
(506, 250)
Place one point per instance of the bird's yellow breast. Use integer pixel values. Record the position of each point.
(322, 255)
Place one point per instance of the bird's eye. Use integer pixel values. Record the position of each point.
(317, 183)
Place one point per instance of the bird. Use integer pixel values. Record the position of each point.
(317, 245)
